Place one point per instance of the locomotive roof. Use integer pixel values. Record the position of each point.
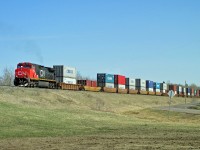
(33, 64)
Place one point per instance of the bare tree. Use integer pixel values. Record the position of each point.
(81, 77)
(7, 78)
(193, 85)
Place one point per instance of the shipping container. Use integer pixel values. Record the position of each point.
(65, 71)
(130, 82)
(150, 89)
(192, 91)
(164, 91)
(120, 86)
(156, 85)
(198, 93)
(141, 88)
(131, 87)
(66, 80)
(173, 88)
(184, 90)
(141, 83)
(157, 90)
(85, 82)
(108, 85)
(149, 84)
(179, 89)
(119, 79)
(188, 90)
(93, 83)
(163, 86)
(105, 78)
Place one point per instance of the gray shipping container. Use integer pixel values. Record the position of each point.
(65, 71)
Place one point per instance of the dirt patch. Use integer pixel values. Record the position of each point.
(102, 142)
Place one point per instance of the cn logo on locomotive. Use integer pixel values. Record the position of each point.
(42, 73)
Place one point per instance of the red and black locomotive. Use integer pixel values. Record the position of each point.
(33, 75)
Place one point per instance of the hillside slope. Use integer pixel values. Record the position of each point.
(77, 119)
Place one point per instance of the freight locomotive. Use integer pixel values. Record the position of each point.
(33, 75)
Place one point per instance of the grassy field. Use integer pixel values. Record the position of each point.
(56, 119)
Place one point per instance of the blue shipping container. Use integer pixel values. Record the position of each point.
(188, 90)
(156, 85)
(105, 78)
(149, 84)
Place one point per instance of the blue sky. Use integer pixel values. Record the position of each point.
(150, 39)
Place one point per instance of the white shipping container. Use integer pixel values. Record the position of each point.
(132, 82)
(66, 80)
(180, 88)
(150, 89)
(119, 86)
(132, 87)
(141, 88)
(163, 91)
(164, 86)
(109, 85)
(65, 71)
(157, 90)
(184, 90)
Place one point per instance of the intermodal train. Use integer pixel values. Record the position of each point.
(33, 75)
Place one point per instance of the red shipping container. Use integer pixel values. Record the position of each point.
(119, 79)
(94, 83)
(192, 91)
(197, 92)
(173, 88)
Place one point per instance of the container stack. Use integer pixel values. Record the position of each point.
(65, 74)
(141, 85)
(195, 93)
(149, 86)
(120, 81)
(188, 92)
(198, 93)
(105, 80)
(130, 84)
(156, 87)
(192, 92)
(164, 88)
(179, 90)
(184, 91)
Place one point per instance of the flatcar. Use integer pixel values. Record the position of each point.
(33, 75)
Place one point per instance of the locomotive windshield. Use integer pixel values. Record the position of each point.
(25, 65)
